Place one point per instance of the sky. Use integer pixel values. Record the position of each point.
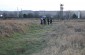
(48, 5)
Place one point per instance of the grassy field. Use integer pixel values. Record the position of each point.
(28, 37)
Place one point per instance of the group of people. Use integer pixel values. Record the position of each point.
(46, 20)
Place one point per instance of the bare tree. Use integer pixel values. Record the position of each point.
(36, 14)
(68, 15)
(4, 15)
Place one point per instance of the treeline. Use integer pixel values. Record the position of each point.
(19, 15)
(37, 15)
(30, 15)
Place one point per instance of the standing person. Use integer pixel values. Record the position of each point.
(51, 20)
(48, 19)
(41, 20)
(44, 19)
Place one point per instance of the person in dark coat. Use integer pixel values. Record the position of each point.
(44, 19)
(48, 20)
(51, 20)
(41, 20)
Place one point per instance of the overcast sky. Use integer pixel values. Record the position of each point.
(41, 4)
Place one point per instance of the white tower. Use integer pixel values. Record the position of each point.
(61, 7)
(61, 11)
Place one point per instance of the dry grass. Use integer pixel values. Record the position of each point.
(65, 37)
(19, 43)
(9, 27)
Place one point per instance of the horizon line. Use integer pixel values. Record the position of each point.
(41, 10)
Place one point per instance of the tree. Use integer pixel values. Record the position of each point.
(10, 15)
(24, 16)
(68, 15)
(48, 15)
(36, 14)
(20, 14)
(30, 15)
(56, 16)
(4, 16)
(74, 16)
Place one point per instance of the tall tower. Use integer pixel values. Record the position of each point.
(61, 11)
